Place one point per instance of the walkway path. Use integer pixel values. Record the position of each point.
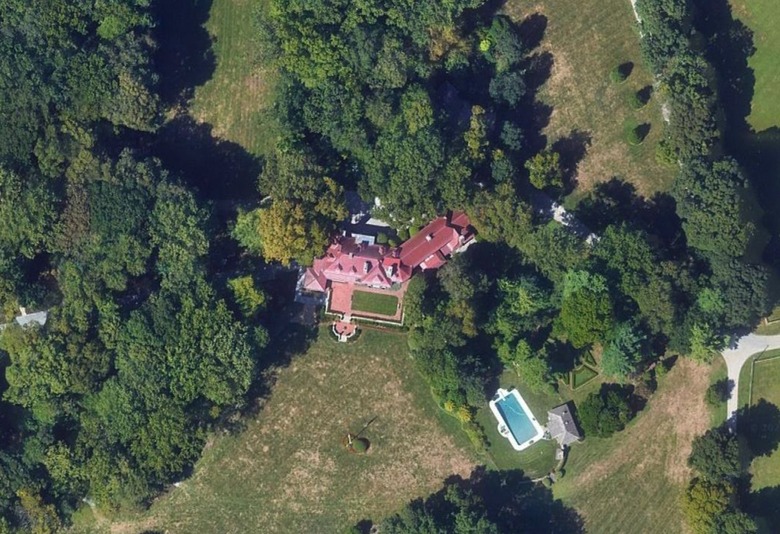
(736, 357)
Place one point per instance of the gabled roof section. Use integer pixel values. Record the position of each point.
(314, 280)
(445, 234)
(351, 259)
(38, 318)
(562, 426)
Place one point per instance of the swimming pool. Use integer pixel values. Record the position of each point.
(515, 420)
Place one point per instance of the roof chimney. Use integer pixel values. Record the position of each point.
(429, 237)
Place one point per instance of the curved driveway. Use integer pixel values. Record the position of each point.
(736, 357)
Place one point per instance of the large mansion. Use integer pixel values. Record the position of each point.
(358, 260)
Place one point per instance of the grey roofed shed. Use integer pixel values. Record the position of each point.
(562, 426)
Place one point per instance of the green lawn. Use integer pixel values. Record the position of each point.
(538, 459)
(236, 100)
(287, 470)
(582, 375)
(763, 17)
(374, 303)
(718, 371)
(766, 385)
(587, 39)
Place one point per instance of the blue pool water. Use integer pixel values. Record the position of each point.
(516, 419)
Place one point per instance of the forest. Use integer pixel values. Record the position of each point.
(157, 330)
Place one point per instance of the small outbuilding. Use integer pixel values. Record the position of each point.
(562, 426)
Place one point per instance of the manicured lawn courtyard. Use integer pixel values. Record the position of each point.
(287, 470)
(377, 303)
(763, 17)
(582, 375)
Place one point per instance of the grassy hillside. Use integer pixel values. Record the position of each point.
(586, 40)
(288, 470)
(633, 481)
(763, 17)
(236, 99)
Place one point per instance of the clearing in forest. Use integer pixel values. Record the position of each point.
(590, 113)
(763, 17)
(236, 100)
(288, 471)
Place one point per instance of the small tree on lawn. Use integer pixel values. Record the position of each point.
(606, 412)
(545, 170)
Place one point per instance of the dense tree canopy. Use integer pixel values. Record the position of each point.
(140, 355)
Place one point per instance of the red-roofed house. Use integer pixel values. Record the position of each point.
(378, 266)
(430, 247)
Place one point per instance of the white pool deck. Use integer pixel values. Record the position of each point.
(503, 427)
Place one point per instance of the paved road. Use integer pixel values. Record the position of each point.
(736, 357)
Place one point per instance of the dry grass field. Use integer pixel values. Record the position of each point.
(587, 39)
(288, 470)
(632, 482)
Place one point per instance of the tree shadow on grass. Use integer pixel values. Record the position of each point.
(531, 30)
(730, 44)
(572, 149)
(617, 201)
(184, 57)
(759, 425)
(217, 169)
(763, 504)
(509, 499)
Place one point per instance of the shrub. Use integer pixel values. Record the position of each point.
(360, 445)
(403, 234)
(661, 369)
(381, 238)
(621, 72)
(665, 153)
(635, 101)
(636, 134)
(718, 392)
(476, 435)
(464, 414)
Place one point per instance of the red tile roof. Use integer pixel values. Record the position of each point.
(442, 234)
(376, 265)
(313, 280)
